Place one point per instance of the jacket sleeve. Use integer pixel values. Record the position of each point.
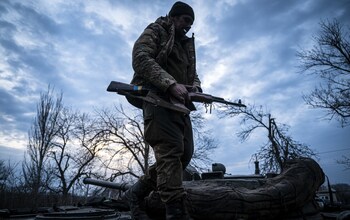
(144, 55)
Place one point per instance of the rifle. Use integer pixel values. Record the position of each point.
(146, 94)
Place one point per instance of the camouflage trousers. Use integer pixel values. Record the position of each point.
(169, 133)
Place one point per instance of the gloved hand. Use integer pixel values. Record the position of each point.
(179, 92)
(194, 89)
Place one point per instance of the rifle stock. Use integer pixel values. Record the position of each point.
(146, 94)
(119, 87)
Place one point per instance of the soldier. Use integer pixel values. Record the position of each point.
(163, 58)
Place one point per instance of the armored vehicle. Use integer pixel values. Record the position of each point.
(213, 195)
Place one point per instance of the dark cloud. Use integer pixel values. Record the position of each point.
(18, 111)
(6, 28)
(36, 26)
(32, 19)
(2, 7)
(79, 50)
(11, 154)
(40, 62)
(251, 19)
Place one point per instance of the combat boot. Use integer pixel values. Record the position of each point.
(176, 210)
(135, 197)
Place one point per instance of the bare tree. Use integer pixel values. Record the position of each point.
(10, 183)
(204, 142)
(345, 161)
(41, 137)
(330, 60)
(7, 175)
(128, 152)
(4, 174)
(74, 151)
(279, 147)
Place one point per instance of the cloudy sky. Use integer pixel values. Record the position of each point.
(245, 49)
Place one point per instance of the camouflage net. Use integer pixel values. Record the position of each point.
(290, 192)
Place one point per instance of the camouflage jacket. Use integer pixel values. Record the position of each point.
(150, 53)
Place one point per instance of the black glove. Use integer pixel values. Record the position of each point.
(179, 92)
(194, 89)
